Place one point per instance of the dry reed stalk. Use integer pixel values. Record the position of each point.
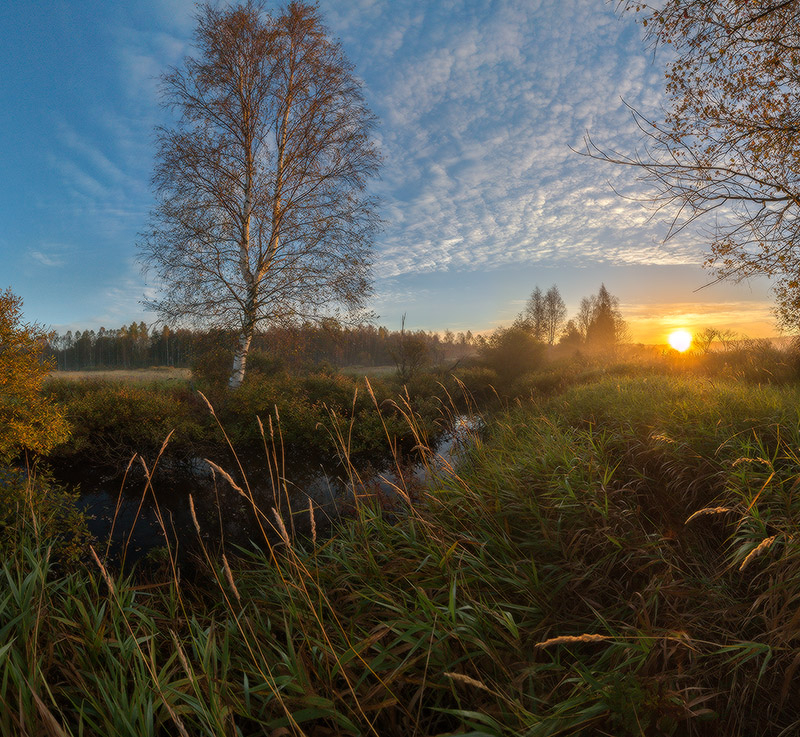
(563, 639)
(208, 404)
(118, 505)
(369, 389)
(194, 516)
(313, 522)
(229, 576)
(762, 547)
(50, 722)
(222, 472)
(103, 570)
(281, 526)
(707, 511)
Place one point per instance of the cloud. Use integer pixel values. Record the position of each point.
(481, 103)
(123, 301)
(46, 259)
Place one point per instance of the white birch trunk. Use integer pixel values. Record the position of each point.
(240, 359)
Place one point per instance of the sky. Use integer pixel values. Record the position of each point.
(480, 103)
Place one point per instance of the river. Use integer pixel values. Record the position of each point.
(133, 518)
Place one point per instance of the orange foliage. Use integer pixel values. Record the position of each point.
(28, 419)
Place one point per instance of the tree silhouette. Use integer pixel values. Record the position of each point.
(606, 328)
(728, 149)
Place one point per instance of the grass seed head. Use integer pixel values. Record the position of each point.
(281, 526)
(565, 639)
(194, 515)
(181, 654)
(762, 547)
(222, 472)
(208, 404)
(468, 681)
(229, 576)
(707, 511)
(103, 570)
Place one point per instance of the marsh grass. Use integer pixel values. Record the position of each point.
(559, 579)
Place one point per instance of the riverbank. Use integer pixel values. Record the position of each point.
(619, 558)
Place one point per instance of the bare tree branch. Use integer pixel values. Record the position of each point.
(728, 149)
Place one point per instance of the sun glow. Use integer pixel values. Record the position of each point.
(680, 340)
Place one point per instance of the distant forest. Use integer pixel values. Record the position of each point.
(598, 326)
(136, 346)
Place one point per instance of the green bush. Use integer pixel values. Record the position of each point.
(263, 363)
(512, 352)
(112, 421)
(336, 391)
(479, 383)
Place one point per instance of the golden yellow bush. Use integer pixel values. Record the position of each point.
(28, 419)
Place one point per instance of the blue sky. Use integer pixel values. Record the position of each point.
(479, 102)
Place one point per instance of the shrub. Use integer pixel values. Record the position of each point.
(112, 421)
(512, 352)
(478, 382)
(28, 419)
(212, 368)
(336, 391)
(263, 363)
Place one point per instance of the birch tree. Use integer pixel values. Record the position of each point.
(262, 211)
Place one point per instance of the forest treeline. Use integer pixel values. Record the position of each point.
(598, 325)
(137, 346)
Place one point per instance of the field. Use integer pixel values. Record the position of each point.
(618, 558)
(138, 376)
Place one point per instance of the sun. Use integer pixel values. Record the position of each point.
(680, 340)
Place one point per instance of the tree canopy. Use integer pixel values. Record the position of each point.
(262, 208)
(728, 151)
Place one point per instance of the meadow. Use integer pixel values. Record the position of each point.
(612, 552)
(137, 376)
